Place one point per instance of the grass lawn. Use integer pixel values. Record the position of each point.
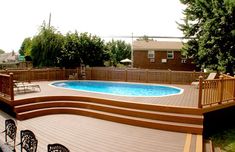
(225, 140)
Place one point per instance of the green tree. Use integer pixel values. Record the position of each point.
(210, 27)
(46, 47)
(26, 46)
(118, 50)
(92, 50)
(84, 48)
(70, 54)
(1, 51)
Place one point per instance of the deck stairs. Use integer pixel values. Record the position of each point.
(151, 116)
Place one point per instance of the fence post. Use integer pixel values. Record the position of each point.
(11, 87)
(29, 75)
(107, 74)
(147, 75)
(234, 88)
(91, 72)
(48, 74)
(194, 76)
(170, 75)
(200, 92)
(221, 85)
(126, 75)
(63, 73)
(77, 70)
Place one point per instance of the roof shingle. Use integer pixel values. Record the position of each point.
(157, 45)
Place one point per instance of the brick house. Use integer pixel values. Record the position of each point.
(161, 55)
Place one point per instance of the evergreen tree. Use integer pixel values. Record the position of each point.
(210, 27)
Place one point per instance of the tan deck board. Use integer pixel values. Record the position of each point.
(85, 134)
(189, 98)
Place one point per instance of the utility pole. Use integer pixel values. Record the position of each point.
(49, 24)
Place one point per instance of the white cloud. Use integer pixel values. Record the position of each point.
(21, 19)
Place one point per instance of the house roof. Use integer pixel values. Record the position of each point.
(8, 57)
(157, 45)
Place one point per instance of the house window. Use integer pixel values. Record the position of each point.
(170, 54)
(151, 54)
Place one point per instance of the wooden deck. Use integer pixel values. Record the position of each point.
(84, 134)
(189, 98)
(180, 129)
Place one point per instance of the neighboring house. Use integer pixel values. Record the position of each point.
(161, 55)
(8, 57)
(8, 60)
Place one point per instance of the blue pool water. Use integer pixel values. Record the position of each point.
(122, 89)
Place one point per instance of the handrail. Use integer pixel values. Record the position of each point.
(216, 91)
(6, 86)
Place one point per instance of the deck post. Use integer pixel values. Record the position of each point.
(11, 87)
(200, 92)
(221, 85)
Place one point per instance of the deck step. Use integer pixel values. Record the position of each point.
(145, 115)
(142, 122)
(111, 102)
(155, 115)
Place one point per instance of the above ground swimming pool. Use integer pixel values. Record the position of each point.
(119, 88)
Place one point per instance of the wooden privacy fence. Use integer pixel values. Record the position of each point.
(6, 86)
(216, 91)
(108, 74)
(41, 74)
(143, 75)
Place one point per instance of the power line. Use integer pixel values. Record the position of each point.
(135, 36)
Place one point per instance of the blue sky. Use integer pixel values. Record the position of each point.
(21, 19)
